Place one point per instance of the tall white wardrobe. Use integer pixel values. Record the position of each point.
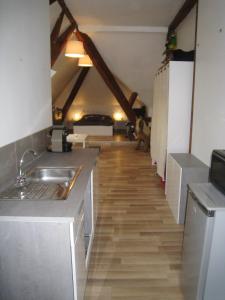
(171, 116)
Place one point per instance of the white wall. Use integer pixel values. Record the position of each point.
(186, 32)
(25, 68)
(209, 108)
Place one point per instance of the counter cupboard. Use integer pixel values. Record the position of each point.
(47, 258)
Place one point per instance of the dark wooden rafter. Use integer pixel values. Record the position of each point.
(67, 33)
(52, 1)
(181, 15)
(57, 27)
(67, 13)
(58, 43)
(65, 10)
(74, 91)
(132, 98)
(106, 74)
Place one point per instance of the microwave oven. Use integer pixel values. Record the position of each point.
(217, 170)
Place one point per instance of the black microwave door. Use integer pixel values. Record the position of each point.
(217, 172)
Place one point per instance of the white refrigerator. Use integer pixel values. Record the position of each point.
(203, 260)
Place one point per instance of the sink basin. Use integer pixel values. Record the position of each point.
(57, 175)
(47, 183)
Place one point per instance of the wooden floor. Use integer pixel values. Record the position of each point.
(115, 140)
(137, 249)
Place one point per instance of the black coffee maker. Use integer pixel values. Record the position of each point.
(58, 139)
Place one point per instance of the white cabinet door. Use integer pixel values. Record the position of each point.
(171, 112)
(78, 260)
(173, 186)
(154, 125)
(88, 218)
(163, 124)
(179, 110)
(88, 209)
(95, 193)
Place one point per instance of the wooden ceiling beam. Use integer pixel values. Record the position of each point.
(74, 91)
(57, 27)
(52, 1)
(58, 43)
(182, 13)
(66, 34)
(65, 10)
(67, 13)
(132, 98)
(106, 74)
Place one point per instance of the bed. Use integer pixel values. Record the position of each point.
(94, 124)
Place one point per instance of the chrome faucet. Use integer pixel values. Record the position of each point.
(28, 151)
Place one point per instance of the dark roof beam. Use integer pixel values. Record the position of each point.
(74, 91)
(52, 1)
(181, 15)
(133, 98)
(57, 27)
(67, 13)
(106, 74)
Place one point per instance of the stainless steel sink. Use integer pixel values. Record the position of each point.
(57, 175)
(47, 183)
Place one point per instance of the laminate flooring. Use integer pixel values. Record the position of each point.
(136, 253)
(115, 140)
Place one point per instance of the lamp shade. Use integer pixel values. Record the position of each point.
(74, 49)
(85, 61)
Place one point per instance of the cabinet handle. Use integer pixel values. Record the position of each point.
(81, 207)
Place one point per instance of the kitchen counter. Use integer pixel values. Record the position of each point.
(187, 160)
(54, 210)
(210, 197)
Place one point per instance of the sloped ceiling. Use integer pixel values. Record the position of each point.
(136, 69)
(93, 97)
(124, 12)
(65, 69)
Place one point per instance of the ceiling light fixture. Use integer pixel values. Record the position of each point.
(85, 61)
(74, 48)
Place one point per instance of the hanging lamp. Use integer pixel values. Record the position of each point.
(74, 48)
(85, 61)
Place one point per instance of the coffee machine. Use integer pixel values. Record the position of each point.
(58, 139)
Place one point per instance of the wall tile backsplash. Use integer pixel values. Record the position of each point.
(10, 155)
(8, 168)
